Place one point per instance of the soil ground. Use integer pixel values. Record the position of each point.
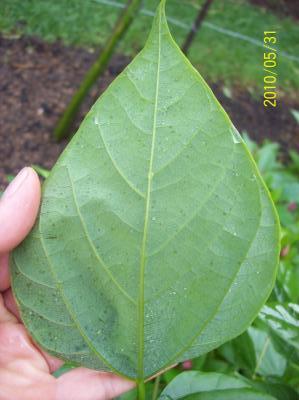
(289, 8)
(37, 80)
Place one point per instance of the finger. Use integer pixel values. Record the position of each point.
(18, 209)
(85, 384)
(5, 315)
(4, 275)
(24, 374)
(17, 349)
(53, 362)
(10, 304)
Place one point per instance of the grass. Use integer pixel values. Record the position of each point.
(218, 57)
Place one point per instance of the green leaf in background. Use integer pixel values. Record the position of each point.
(10, 178)
(196, 385)
(292, 375)
(241, 353)
(281, 324)
(283, 321)
(295, 114)
(288, 276)
(157, 240)
(269, 350)
(212, 363)
(132, 394)
(279, 391)
(64, 369)
(44, 173)
(294, 156)
(269, 361)
(282, 181)
(267, 157)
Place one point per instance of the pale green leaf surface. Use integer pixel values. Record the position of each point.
(196, 385)
(157, 240)
(240, 352)
(269, 362)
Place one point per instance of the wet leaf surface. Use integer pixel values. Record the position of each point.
(157, 239)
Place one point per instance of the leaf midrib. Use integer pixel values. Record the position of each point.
(262, 354)
(140, 326)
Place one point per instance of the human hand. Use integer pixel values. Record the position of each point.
(25, 370)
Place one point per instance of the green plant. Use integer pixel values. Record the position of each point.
(157, 239)
(211, 386)
(239, 358)
(265, 357)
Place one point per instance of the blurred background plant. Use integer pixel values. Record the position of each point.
(47, 47)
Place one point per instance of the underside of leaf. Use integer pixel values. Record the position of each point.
(157, 239)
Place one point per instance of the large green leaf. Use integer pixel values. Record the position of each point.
(196, 385)
(157, 240)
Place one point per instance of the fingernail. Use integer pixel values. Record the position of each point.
(13, 187)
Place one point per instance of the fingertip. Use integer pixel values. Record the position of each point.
(86, 384)
(19, 206)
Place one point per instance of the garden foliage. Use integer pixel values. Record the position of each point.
(157, 239)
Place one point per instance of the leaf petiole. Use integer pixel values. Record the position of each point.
(141, 390)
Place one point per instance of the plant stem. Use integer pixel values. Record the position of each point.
(156, 387)
(196, 25)
(141, 391)
(125, 19)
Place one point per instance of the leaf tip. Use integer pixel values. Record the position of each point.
(161, 10)
(160, 21)
(162, 6)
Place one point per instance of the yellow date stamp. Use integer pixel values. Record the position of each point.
(270, 72)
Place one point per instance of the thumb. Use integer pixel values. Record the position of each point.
(86, 384)
(18, 208)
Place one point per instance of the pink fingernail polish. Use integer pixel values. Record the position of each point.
(16, 183)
